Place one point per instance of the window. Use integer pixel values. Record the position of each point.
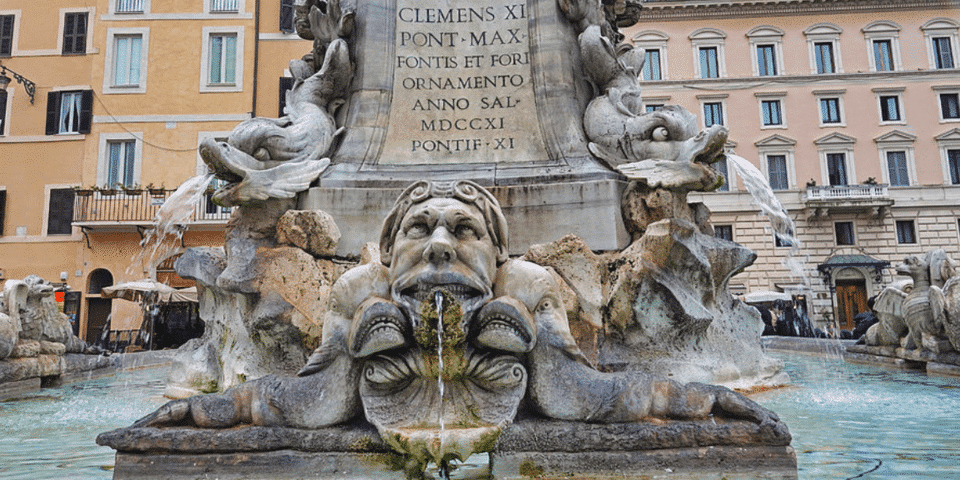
(709, 65)
(837, 169)
(949, 106)
(890, 108)
(941, 38)
(782, 241)
(942, 53)
(770, 112)
(651, 65)
(766, 60)
(844, 233)
(723, 231)
(228, 6)
(824, 57)
(766, 45)
(953, 163)
(654, 45)
(75, 33)
(897, 157)
(69, 112)
(60, 213)
(777, 172)
(286, 83)
(222, 57)
(126, 60)
(883, 44)
(121, 158)
(897, 168)
(708, 52)
(287, 16)
(129, 6)
(6, 35)
(883, 55)
(712, 114)
(652, 107)
(906, 233)
(830, 110)
(721, 167)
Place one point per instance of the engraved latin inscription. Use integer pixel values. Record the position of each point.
(462, 88)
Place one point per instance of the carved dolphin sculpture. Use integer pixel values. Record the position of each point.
(276, 158)
(662, 148)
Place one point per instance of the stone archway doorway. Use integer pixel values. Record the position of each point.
(851, 300)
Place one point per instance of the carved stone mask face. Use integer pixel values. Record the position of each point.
(443, 242)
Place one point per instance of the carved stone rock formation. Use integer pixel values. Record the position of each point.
(441, 341)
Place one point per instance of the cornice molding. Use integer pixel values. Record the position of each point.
(780, 81)
(679, 10)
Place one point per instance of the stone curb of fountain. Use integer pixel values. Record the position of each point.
(558, 447)
(22, 375)
(812, 346)
(887, 356)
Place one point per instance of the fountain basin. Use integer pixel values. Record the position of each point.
(530, 445)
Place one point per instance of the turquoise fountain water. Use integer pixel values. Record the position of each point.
(858, 421)
(847, 421)
(49, 434)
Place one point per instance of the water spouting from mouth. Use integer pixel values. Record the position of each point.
(167, 230)
(783, 226)
(442, 466)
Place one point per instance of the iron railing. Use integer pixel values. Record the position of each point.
(137, 208)
(129, 6)
(224, 5)
(847, 192)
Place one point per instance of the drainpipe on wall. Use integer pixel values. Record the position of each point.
(256, 56)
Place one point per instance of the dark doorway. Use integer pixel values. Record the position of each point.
(98, 311)
(851, 300)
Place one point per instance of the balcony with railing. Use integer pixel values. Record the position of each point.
(129, 6)
(224, 6)
(849, 198)
(131, 211)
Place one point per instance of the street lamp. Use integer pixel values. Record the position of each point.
(28, 85)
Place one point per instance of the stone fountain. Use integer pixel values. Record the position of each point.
(918, 318)
(596, 335)
(37, 343)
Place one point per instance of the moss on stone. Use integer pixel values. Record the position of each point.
(530, 469)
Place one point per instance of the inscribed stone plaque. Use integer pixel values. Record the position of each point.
(462, 90)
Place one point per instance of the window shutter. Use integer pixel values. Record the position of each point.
(86, 110)
(3, 111)
(53, 113)
(3, 209)
(286, 16)
(60, 216)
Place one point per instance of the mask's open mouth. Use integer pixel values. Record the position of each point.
(469, 296)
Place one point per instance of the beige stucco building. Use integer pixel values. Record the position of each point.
(848, 108)
(124, 91)
(825, 98)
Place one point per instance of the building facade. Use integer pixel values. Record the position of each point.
(122, 93)
(849, 109)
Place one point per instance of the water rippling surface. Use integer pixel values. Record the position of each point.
(847, 421)
(50, 433)
(856, 421)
